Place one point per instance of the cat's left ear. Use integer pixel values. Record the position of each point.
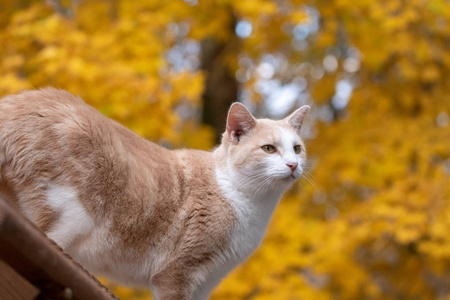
(296, 118)
(239, 121)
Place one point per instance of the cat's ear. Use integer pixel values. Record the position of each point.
(239, 121)
(296, 118)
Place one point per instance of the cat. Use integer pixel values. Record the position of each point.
(175, 221)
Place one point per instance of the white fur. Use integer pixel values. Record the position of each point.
(73, 219)
(253, 216)
(253, 211)
(93, 246)
(289, 140)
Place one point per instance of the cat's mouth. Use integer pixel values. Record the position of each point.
(290, 177)
(294, 176)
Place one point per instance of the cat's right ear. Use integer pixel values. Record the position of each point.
(239, 122)
(296, 118)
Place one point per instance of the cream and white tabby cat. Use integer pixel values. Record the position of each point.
(176, 221)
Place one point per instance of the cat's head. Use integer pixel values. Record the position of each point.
(263, 154)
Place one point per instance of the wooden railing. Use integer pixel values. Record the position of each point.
(34, 267)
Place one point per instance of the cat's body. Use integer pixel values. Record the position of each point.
(176, 221)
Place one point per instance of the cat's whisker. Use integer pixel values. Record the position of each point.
(310, 176)
(267, 184)
(305, 179)
(253, 178)
(263, 185)
(310, 179)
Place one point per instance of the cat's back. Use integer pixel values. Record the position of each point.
(45, 108)
(33, 99)
(50, 134)
(42, 123)
(49, 103)
(51, 113)
(41, 115)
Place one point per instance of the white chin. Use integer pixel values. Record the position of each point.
(296, 176)
(290, 178)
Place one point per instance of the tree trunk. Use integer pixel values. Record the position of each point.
(221, 87)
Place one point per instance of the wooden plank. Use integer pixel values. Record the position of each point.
(13, 286)
(38, 259)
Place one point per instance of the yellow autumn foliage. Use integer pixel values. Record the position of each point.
(374, 221)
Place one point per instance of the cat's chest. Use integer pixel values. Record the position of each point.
(252, 218)
(246, 235)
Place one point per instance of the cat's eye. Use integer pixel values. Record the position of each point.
(269, 149)
(297, 149)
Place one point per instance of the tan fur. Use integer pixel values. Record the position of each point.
(145, 201)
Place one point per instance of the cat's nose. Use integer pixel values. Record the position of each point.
(292, 165)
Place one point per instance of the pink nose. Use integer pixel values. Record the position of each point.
(292, 165)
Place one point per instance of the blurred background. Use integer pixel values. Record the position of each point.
(371, 219)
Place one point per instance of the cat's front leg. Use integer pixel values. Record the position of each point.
(173, 284)
(185, 278)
